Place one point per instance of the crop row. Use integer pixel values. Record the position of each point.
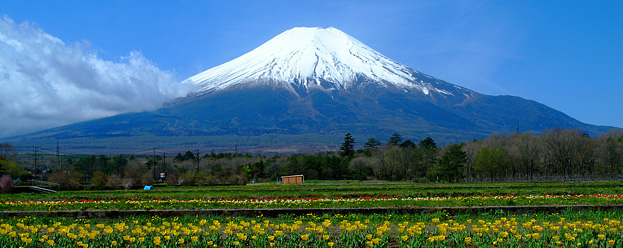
(264, 203)
(351, 190)
(568, 229)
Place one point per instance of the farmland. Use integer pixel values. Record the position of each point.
(321, 214)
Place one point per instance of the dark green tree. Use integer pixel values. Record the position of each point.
(119, 163)
(372, 144)
(452, 162)
(7, 152)
(257, 169)
(407, 144)
(86, 166)
(178, 157)
(348, 146)
(395, 139)
(427, 154)
(188, 156)
(491, 162)
(428, 142)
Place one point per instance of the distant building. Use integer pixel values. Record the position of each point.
(294, 179)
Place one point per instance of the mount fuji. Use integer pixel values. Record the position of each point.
(302, 91)
(314, 58)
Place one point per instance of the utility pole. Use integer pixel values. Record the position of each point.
(58, 157)
(164, 158)
(517, 128)
(197, 158)
(236, 149)
(35, 162)
(153, 165)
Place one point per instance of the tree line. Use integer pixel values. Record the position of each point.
(557, 154)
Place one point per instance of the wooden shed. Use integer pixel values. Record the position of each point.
(294, 179)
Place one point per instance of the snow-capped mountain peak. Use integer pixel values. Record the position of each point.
(308, 58)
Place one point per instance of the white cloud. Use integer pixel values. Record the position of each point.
(45, 82)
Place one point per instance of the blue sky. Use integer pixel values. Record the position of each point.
(565, 54)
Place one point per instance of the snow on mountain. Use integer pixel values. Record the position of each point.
(309, 58)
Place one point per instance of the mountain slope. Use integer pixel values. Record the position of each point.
(306, 88)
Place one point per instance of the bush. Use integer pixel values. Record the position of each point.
(6, 184)
(114, 182)
(100, 180)
(147, 180)
(137, 175)
(187, 179)
(24, 176)
(66, 180)
(128, 183)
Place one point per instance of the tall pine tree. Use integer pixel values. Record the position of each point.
(348, 147)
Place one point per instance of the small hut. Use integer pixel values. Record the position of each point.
(293, 179)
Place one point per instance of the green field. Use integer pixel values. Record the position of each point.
(325, 194)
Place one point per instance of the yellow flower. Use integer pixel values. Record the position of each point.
(330, 244)
(404, 237)
(272, 244)
(305, 237)
(113, 243)
(611, 242)
(51, 242)
(325, 237)
(236, 243)
(468, 240)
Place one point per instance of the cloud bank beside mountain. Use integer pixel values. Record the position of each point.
(45, 82)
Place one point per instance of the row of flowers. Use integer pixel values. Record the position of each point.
(312, 200)
(317, 231)
(305, 200)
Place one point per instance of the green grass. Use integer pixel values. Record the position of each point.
(349, 190)
(208, 197)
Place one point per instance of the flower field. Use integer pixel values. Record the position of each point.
(269, 203)
(567, 229)
(439, 229)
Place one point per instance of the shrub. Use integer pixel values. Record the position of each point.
(128, 183)
(137, 175)
(187, 179)
(66, 180)
(114, 182)
(100, 180)
(147, 180)
(6, 184)
(170, 180)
